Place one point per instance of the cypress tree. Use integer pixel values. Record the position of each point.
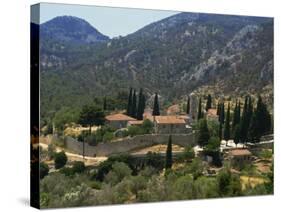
(188, 105)
(204, 135)
(245, 120)
(218, 109)
(209, 103)
(260, 122)
(236, 133)
(129, 106)
(220, 131)
(199, 114)
(221, 116)
(227, 125)
(156, 110)
(141, 105)
(239, 112)
(236, 117)
(134, 105)
(169, 160)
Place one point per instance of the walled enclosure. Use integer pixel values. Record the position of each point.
(128, 144)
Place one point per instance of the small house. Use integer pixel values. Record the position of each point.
(118, 120)
(171, 125)
(240, 157)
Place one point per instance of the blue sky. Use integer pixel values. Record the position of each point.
(109, 21)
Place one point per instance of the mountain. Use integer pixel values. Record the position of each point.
(186, 52)
(71, 29)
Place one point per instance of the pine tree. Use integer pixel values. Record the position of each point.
(130, 100)
(199, 113)
(169, 160)
(227, 125)
(134, 104)
(209, 103)
(156, 110)
(204, 135)
(141, 105)
(188, 105)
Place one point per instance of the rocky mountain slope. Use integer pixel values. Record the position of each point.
(173, 57)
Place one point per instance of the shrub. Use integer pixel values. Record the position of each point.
(44, 170)
(108, 136)
(60, 160)
(214, 143)
(134, 130)
(147, 126)
(119, 171)
(78, 167)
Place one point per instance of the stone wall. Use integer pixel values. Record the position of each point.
(128, 144)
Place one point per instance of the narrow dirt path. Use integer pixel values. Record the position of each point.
(89, 161)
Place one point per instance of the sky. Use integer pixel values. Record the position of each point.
(109, 21)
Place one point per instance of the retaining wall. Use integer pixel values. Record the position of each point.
(128, 144)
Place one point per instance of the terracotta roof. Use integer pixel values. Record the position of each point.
(137, 122)
(119, 117)
(169, 120)
(212, 112)
(240, 152)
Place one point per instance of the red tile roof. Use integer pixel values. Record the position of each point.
(119, 117)
(137, 122)
(240, 152)
(169, 120)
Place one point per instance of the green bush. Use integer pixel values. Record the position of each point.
(60, 160)
(78, 167)
(44, 170)
(214, 144)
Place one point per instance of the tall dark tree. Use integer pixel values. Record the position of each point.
(236, 134)
(204, 134)
(239, 112)
(104, 104)
(220, 131)
(169, 160)
(156, 110)
(260, 122)
(91, 115)
(227, 125)
(134, 105)
(209, 103)
(222, 113)
(236, 117)
(141, 105)
(218, 108)
(188, 105)
(245, 120)
(199, 112)
(130, 101)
